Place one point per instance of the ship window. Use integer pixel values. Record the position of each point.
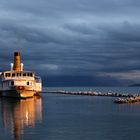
(30, 74)
(7, 74)
(18, 74)
(28, 83)
(12, 83)
(13, 74)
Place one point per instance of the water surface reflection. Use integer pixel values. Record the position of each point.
(19, 114)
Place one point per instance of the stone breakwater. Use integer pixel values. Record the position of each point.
(122, 98)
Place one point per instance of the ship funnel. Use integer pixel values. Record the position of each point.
(17, 66)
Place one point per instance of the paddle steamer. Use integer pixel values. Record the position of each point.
(19, 83)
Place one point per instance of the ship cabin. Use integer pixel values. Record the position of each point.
(17, 75)
(17, 78)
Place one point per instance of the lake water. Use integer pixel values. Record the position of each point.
(70, 117)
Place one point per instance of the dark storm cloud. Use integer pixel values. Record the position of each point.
(90, 38)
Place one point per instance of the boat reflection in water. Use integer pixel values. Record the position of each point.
(18, 114)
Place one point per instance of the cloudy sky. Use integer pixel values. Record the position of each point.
(73, 42)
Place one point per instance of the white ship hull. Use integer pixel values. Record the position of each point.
(18, 93)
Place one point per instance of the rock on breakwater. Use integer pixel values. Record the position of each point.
(127, 100)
